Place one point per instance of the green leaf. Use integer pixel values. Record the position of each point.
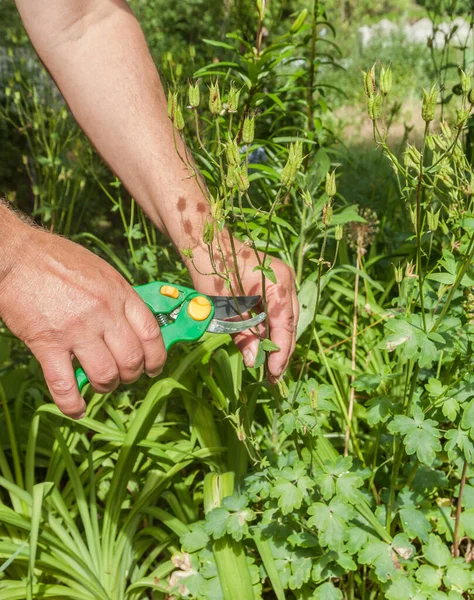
(327, 591)
(194, 540)
(260, 357)
(379, 410)
(436, 552)
(429, 576)
(269, 346)
(330, 521)
(288, 495)
(381, 556)
(420, 436)
(459, 577)
(216, 522)
(307, 297)
(467, 522)
(415, 524)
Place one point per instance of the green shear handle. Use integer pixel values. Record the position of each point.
(183, 314)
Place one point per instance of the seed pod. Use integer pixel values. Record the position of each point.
(338, 233)
(216, 209)
(187, 253)
(412, 157)
(179, 70)
(299, 21)
(461, 118)
(307, 198)
(192, 51)
(398, 274)
(233, 99)
(172, 100)
(465, 81)
(369, 82)
(374, 106)
(261, 8)
(242, 179)
(331, 184)
(470, 96)
(215, 103)
(231, 178)
(208, 232)
(295, 158)
(429, 104)
(413, 216)
(178, 118)
(248, 130)
(327, 214)
(194, 95)
(433, 220)
(232, 153)
(430, 142)
(385, 80)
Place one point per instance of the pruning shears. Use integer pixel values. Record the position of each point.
(185, 315)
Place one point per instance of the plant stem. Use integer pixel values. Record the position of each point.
(459, 510)
(353, 353)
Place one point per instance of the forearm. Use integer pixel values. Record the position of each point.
(101, 63)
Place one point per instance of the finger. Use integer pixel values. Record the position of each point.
(126, 350)
(61, 381)
(99, 365)
(146, 328)
(281, 320)
(247, 342)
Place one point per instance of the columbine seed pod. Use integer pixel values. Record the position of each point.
(178, 118)
(331, 184)
(215, 103)
(231, 178)
(470, 96)
(295, 158)
(398, 274)
(369, 82)
(465, 81)
(429, 104)
(385, 80)
(307, 198)
(242, 179)
(233, 99)
(208, 232)
(192, 51)
(327, 214)
(461, 118)
(194, 95)
(433, 220)
(374, 106)
(232, 153)
(216, 209)
(248, 130)
(338, 233)
(172, 100)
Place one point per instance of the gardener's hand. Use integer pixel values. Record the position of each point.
(64, 301)
(282, 303)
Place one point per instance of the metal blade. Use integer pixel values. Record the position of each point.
(227, 308)
(216, 326)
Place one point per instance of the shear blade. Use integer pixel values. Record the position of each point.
(217, 326)
(226, 307)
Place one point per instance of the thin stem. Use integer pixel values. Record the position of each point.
(459, 510)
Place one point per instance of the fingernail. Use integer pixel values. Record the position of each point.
(153, 374)
(80, 416)
(249, 357)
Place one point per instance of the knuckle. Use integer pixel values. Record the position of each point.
(133, 361)
(61, 387)
(150, 332)
(106, 378)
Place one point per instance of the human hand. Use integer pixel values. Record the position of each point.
(65, 302)
(282, 302)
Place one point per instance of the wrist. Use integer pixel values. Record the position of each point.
(14, 241)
